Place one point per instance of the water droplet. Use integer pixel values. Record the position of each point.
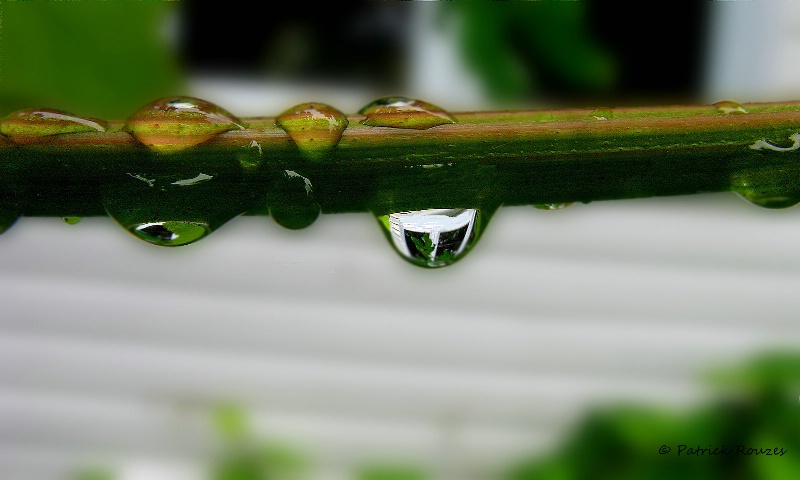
(402, 112)
(292, 202)
(602, 114)
(769, 199)
(727, 107)
(314, 127)
(71, 220)
(436, 237)
(552, 206)
(172, 124)
(169, 209)
(32, 124)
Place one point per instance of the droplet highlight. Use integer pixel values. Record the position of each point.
(402, 112)
(436, 237)
(729, 107)
(552, 206)
(315, 128)
(173, 124)
(34, 124)
(292, 203)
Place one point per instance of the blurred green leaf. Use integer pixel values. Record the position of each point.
(513, 46)
(624, 442)
(230, 421)
(94, 473)
(102, 59)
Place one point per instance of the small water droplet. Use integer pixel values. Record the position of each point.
(175, 123)
(402, 112)
(32, 124)
(602, 114)
(292, 202)
(71, 220)
(769, 199)
(314, 127)
(552, 206)
(436, 237)
(728, 107)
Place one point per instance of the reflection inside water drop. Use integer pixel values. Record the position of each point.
(552, 206)
(432, 238)
(171, 233)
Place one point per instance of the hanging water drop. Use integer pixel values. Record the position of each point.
(33, 124)
(402, 112)
(71, 220)
(436, 237)
(175, 209)
(552, 206)
(172, 124)
(728, 107)
(314, 127)
(769, 198)
(292, 202)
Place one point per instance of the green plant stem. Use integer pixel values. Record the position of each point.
(486, 158)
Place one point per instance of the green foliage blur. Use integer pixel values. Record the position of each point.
(756, 406)
(102, 59)
(516, 47)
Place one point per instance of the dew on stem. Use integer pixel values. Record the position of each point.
(402, 112)
(32, 125)
(314, 127)
(172, 124)
(728, 107)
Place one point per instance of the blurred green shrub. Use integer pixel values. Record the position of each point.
(756, 407)
(103, 59)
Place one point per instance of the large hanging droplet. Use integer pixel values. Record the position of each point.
(434, 238)
(728, 107)
(172, 124)
(175, 209)
(292, 203)
(314, 127)
(402, 112)
(34, 124)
